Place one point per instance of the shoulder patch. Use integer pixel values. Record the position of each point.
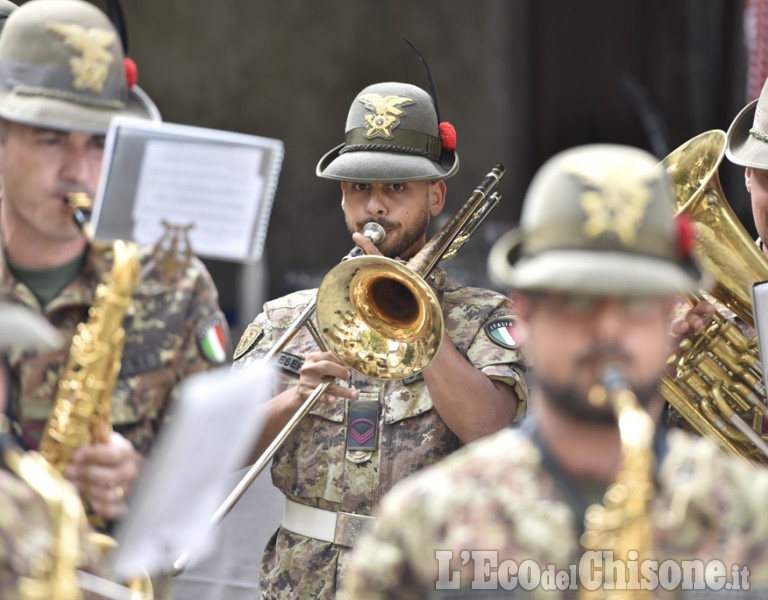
(503, 332)
(250, 336)
(213, 339)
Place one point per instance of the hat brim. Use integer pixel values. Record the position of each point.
(21, 329)
(741, 148)
(64, 115)
(384, 167)
(589, 272)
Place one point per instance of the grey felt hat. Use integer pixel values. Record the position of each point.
(747, 140)
(21, 329)
(392, 134)
(598, 220)
(62, 67)
(6, 8)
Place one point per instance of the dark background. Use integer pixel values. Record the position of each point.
(519, 79)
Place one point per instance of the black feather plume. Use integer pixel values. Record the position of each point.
(116, 15)
(432, 85)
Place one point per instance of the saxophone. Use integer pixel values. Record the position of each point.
(82, 410)
(622, 523)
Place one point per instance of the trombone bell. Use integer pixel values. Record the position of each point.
(379, 317)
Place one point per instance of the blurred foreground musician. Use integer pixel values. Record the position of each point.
(366, 434)
(31, 565)
(585, 495)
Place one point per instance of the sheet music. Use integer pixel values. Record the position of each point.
(213, 427)
(212, 187)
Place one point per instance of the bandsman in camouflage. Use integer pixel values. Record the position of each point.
(63, 76)
(595, 267)
(29, 528)
(366, 434)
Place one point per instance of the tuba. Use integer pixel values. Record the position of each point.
(718, 384)
(622, 523)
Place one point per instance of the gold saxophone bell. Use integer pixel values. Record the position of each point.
(718, 383)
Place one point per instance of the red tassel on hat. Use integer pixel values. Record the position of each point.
(447, 136)
(686, 235)
(131, 72)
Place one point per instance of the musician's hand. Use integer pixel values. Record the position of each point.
(689, 321)
(317, 367)
(104, 473)
(367, 245)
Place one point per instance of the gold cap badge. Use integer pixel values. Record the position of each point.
(614, 203)
(386, 114)
(90, 69)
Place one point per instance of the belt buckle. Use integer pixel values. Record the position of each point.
(348, 528)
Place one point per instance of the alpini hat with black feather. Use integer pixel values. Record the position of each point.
(62, 66)
(393, 133)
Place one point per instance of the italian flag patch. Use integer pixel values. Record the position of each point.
(502, 332)
(213, 340)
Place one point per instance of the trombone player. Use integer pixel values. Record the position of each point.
(366, 434)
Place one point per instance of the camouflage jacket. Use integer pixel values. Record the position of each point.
(314, 466)
(468, 522)
(167, 327)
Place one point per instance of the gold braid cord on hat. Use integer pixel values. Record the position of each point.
(717, 385)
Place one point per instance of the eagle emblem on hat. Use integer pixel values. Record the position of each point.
(90, 69)
(386, 113)
(614, 201)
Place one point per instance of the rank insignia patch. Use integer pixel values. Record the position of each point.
(503, 332)
(213, 340)
(363, 419)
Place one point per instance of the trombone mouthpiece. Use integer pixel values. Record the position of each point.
(374, 232)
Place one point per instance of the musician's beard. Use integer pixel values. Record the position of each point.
(406, 244)
(574, 402)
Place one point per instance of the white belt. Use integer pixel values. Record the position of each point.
(335, 527)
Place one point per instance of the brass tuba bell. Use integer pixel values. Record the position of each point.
(718, 384)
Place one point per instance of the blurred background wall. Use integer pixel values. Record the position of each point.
(519, 79)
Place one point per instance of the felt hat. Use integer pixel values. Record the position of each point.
(392, 134)
(62, 67)
(598, 220)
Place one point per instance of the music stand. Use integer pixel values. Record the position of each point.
(215, 186)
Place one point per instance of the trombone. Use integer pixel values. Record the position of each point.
(377, 315)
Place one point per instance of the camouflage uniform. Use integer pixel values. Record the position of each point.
(503, 497)
(314, 468)
(164, 331)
